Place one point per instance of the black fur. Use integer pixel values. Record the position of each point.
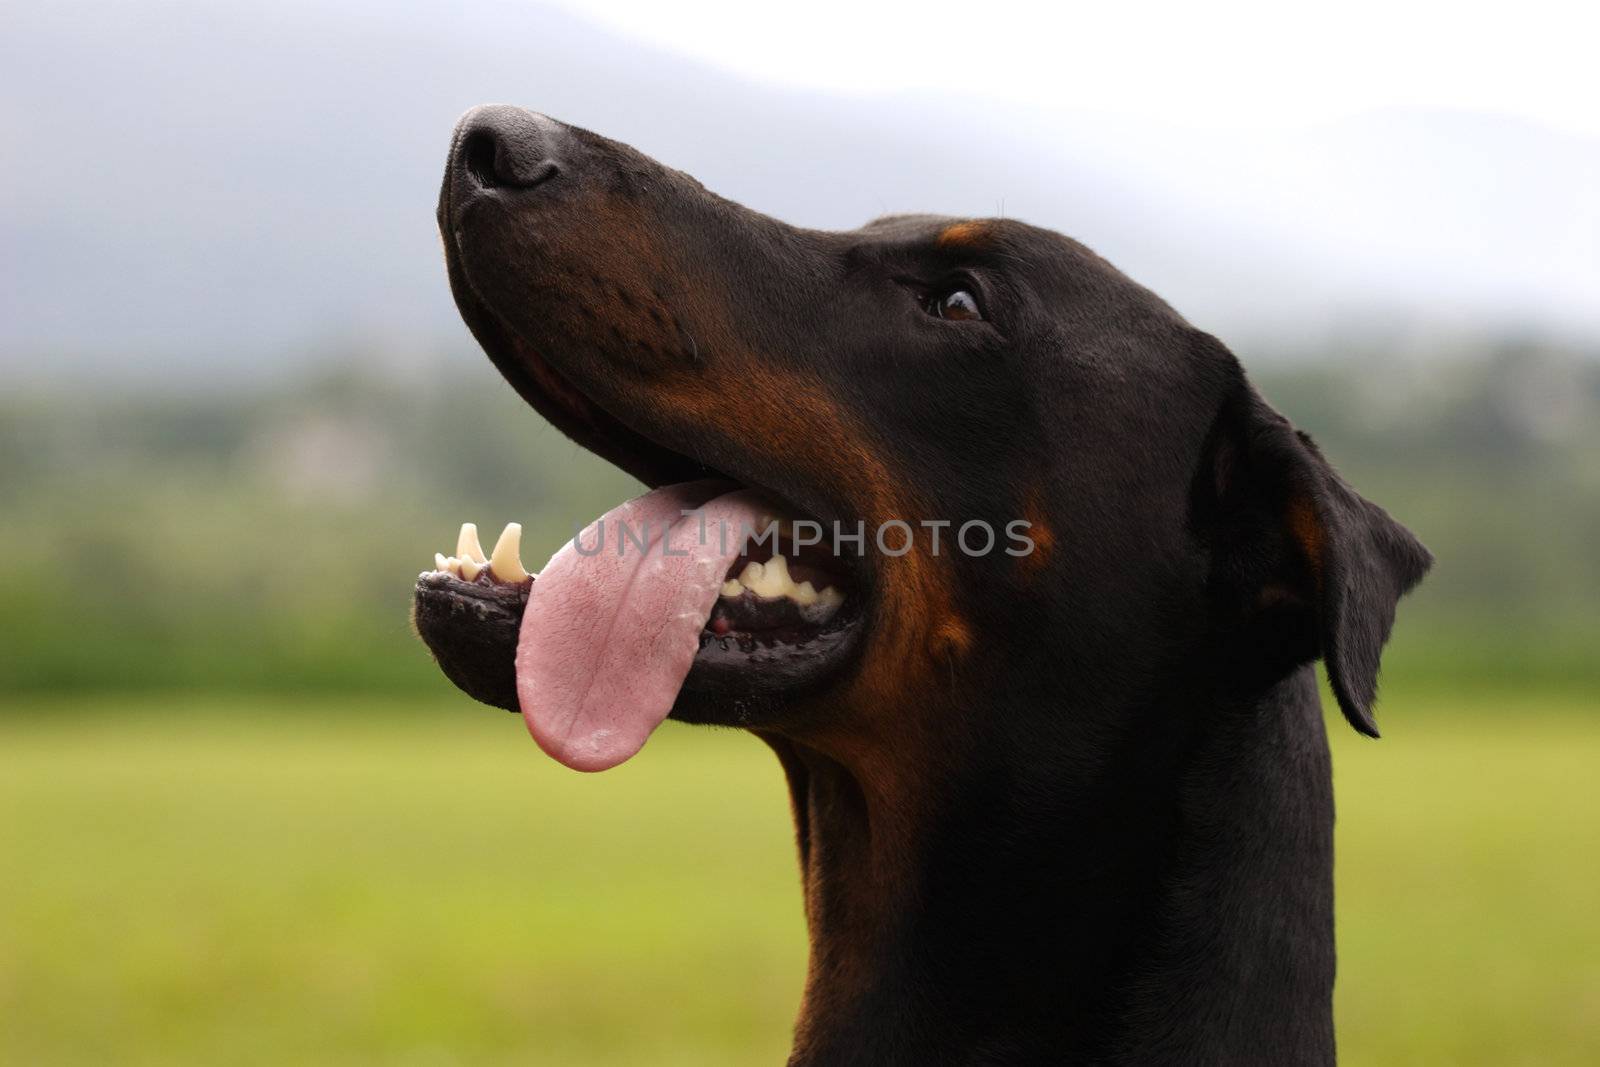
(1070, 808)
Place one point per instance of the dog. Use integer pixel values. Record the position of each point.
(1065, 800)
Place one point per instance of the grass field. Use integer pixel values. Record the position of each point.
(334, 884)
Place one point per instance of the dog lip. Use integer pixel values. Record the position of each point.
(743, 668)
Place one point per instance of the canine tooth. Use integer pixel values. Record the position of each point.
(506, 563)
(468, 546)
(471, 568)
(806, 593)
(732, 587)
(440, 562)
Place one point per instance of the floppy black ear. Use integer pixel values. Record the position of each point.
(1301, 563)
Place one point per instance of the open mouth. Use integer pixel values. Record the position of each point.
(707, 598)
(780, 594)
(775, 599)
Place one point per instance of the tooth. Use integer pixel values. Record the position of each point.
(778, 569)
(470, 568)
(732, 587)
(774, 580)
(824, 607)
(440, 563)
(453, 565)
(467, 545)
(806, 593)
(506, 563)
(751, 575)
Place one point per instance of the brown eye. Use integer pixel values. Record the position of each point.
(958, 306)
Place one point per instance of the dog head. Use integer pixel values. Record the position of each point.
(1034, 463)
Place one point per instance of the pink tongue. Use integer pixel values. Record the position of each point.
(608, 637)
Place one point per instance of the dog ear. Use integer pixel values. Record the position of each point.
(1301, 562)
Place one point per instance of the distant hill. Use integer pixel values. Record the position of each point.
(212, 190)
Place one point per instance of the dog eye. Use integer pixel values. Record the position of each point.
(957, 306)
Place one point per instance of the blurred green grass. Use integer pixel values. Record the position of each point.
(327, 881)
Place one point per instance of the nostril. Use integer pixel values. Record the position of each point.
(494, 161)
(478, 156)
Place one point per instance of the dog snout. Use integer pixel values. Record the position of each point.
(502, 147)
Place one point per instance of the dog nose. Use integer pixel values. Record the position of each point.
(499, 146)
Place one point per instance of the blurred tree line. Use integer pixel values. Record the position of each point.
(268, 538)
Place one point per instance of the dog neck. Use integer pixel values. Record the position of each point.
(1166, 899)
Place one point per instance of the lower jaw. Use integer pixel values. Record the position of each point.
(737, 678)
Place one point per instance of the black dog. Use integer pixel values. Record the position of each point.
(1064, 803)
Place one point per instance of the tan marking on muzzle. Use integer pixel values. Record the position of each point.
(919, 627)
(918, 634)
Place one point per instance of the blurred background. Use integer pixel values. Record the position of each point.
(242, 819)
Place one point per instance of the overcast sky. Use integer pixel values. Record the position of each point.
(1227, 63)
(1283, 180)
